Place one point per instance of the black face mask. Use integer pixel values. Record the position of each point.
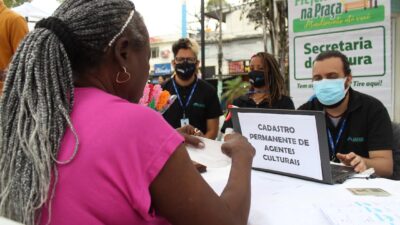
(185, 70)
(257, 78)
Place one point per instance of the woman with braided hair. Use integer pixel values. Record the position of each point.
(267, 88)
(76, 149)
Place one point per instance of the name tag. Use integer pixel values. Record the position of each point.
(184, 122)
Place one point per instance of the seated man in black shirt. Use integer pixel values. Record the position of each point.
(358, 125)
(197, 103)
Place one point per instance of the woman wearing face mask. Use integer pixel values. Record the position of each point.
(197, 102)
(267, 87)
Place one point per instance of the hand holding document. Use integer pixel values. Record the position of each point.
(211, 155)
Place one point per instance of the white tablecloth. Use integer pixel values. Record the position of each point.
(277, 199)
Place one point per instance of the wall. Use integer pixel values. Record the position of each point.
(233, 50)
(237, 25)
(164, 44)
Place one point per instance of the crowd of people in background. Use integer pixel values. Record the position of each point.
(67, 122)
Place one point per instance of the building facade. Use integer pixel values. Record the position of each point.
(239, 42)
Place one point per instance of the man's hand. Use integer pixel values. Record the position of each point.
(187, 132)
(353, 160)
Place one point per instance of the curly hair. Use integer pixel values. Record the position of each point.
(273, 76)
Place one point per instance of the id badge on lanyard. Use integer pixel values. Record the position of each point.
(184, 120)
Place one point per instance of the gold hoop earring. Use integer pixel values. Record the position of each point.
(119, 81)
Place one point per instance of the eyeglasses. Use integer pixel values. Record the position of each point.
(183, 59)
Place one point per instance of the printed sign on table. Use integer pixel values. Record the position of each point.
(284, 143)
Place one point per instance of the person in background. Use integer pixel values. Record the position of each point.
(267, 87)
(13, 29)
(358, 125)
(162, 79)
(197, 102)
(75, 148)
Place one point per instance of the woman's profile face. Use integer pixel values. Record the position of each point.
(139, 68)
(137, 64)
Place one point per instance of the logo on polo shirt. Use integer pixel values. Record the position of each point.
(199, 105)
(356, 139)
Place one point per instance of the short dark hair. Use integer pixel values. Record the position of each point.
(185, 43)
(336, 54)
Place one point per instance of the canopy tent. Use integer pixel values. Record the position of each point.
(28, 10)
(48, 6)
(36, 10)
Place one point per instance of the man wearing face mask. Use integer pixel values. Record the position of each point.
(358, 125)
(197, 101)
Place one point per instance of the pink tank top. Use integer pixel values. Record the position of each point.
(122, 148)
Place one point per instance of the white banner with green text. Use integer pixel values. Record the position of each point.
(360, 29)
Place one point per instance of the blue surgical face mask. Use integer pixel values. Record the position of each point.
(330, 91)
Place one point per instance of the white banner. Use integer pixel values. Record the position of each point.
(284, 143)
(360, 29)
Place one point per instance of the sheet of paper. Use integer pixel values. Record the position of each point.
(363, 212)
(211, 155)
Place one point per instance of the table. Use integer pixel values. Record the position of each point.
(278, 199)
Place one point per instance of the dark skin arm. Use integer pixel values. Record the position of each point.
(182, 196)
(187, 132)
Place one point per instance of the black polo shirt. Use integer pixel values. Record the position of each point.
(204, 104)
(245, 101)
(367, 125)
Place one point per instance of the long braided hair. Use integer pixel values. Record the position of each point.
(38, 97)
(273, 76)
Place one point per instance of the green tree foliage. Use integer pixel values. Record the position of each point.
(275, 17)
(276, 24)
(235, 88)
(14, 3)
